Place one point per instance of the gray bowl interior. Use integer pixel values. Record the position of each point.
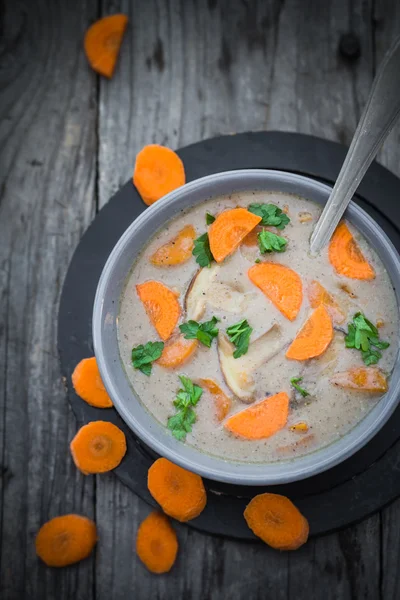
(105, 316)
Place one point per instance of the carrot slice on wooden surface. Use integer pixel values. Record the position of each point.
(158, 171)
(261, 420)
(103, 41)
(277, 521)
(251, 238)
(176, 251)
(65, 540)
(88, 385)
(364, 379)
(180, 494)
(161, 305)
(346, 257)
(314, 337)
(228, 231)
(280, 284)
(221, 401)
(156, 543)
(317, 295)
(98, 447)
(290, 450)
(177, 351)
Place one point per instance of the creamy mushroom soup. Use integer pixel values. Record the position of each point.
(280, 353)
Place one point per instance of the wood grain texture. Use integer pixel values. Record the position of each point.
(187, 70)
(47, 179)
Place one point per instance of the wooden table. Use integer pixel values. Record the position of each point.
(188, 70)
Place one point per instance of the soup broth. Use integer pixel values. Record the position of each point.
(321, 410)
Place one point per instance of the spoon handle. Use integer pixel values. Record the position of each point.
(377, 120)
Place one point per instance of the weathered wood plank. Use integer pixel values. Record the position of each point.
(47, 178)
(187, 71)
(387, 28)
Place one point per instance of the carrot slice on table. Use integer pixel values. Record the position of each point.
(346, 257)
(277, 521)
(280, 284)
(221, 401)
(98, 447)
(251, 238)
(158, 171)
(88, 385)
(156, 543)
(161, 305)
(228, 231)
(365, 379)
(261, 420)
(103, 41)
(176, 352)
(317, 295)
(65, 540)
(314, 337)
(180, 494)
(176, 251)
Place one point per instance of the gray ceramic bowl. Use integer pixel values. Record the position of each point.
(105, 316)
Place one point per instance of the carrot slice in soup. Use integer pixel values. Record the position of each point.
(262, 420)
(88, 384)
(317, 295)
(346, 257)
(161, 305)
(228, 231)
(158, 171)
(251, 238)
(176, 251)
(277, 521)
(314, 337)
(180, 493)
(156, 543)
(65, 540)
(280, 284)
(103, 41)
(221, 400)
(364, 379)
(176, 352)
(98, 447)
(290, 450)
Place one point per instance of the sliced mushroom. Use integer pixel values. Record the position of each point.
(224, 297)
(238, 372)
(237, 378)
(196, 295)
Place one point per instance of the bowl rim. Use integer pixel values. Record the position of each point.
(212, 467)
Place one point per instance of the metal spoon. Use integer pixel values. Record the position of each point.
(377, 120)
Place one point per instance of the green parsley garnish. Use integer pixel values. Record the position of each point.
(202, 252)
(257, 260)
(270, 242)
(209, 218)
(204, 332)
(144, 355)
(364, 336)
(187, 397)
(239, 334)
(270, 214)
(295, 381)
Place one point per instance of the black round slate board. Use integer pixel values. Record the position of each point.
(343, 495)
